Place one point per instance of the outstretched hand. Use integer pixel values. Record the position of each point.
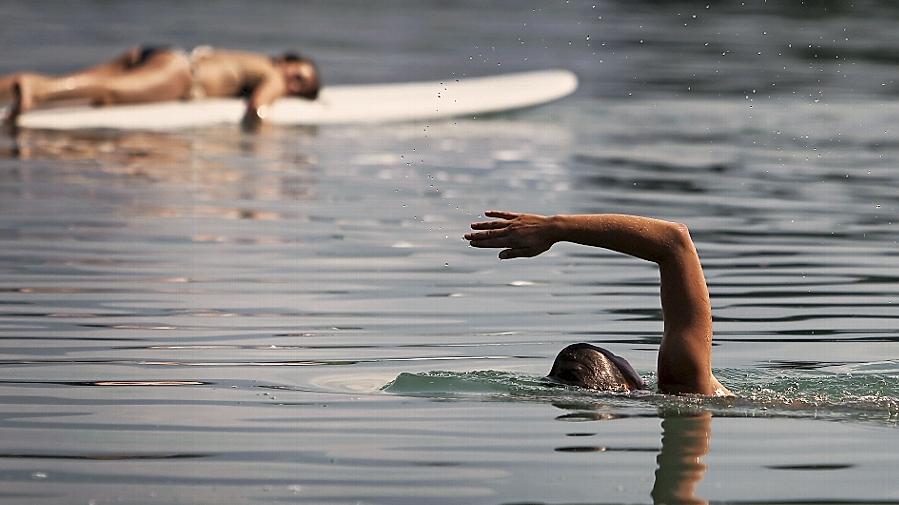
(519, 235)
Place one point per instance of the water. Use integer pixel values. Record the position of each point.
(217, 317)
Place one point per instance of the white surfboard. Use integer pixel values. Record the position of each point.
(357, 104)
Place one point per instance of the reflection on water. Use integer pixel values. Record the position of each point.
(153, 157)
(685, 440)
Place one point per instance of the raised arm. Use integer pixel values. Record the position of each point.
(684, 362)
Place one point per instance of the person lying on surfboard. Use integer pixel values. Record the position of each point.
(685, 354)
(159, 73)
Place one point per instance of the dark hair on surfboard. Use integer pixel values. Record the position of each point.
(579, 365)
(297, 57)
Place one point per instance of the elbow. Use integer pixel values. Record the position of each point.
(680, 234)
(679, 241)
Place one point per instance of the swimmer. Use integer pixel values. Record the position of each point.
(685, 354)
(159, 73)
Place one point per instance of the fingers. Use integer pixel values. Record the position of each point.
(490, 243)
(521, 252)
(488, 234)
(502, 214)
(489, 225)
(497, 234)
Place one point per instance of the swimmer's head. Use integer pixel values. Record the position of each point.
(592, 367)
(301, 75)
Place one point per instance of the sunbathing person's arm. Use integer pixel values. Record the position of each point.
(269, 89)
(684, 362)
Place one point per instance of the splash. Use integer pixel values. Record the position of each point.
(840, 396)
(760, 393)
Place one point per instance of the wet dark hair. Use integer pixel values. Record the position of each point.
(296, 57)
(592, 367)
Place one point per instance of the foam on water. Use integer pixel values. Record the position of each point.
(871, 397)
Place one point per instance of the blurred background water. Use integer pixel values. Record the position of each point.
(212, 316)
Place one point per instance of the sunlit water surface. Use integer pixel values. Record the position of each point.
(219, 317)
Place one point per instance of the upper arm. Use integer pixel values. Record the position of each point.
(684, 362)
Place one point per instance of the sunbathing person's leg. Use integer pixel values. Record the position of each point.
(165, 75)
(115, 66)
(120, 64)
(6, 83)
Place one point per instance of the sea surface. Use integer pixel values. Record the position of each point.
(212, 316)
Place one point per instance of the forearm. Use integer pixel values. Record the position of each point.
(646, 238)
(261, 99)
(259, 103)
(257, 110)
